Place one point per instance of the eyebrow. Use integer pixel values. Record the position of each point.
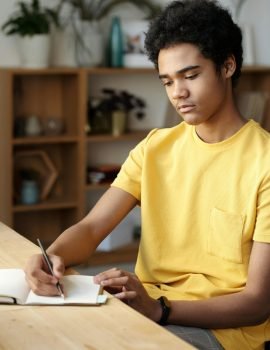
(180, 71)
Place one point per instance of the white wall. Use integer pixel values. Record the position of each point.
(254, 12)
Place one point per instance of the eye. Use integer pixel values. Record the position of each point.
(192, 76)
(167, 83)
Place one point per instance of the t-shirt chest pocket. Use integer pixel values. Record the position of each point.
(225, 235)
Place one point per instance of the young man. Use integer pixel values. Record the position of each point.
(203, 267)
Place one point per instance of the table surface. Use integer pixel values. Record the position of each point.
(111, 326)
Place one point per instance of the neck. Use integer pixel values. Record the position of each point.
(221, 126)
(213, 135)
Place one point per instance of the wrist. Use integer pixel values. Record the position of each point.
(156, 311)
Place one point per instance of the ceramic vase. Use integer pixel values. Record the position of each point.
(33, 126)
(119, 122)
(89, 43)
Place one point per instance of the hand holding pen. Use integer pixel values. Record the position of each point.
(50, 267)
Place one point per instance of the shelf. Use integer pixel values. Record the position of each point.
(98, 186)
(45, 205)
(125, 254)
(256, 69)
(118, 71)
(43, 71)
(45, 140)
(134, 135)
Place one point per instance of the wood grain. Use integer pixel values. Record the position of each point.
(111, 326)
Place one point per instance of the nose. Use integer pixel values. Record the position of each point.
(179, 91)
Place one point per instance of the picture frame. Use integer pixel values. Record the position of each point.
(40, 162)
(134, 36)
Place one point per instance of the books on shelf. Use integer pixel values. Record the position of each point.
(78, 289)
(252, 104)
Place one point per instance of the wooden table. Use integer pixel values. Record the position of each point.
(110, 326)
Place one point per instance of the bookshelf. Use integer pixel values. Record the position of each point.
(60, 93)
(256, 79)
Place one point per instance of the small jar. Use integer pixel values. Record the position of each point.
(53, 126)
(119, 121)
(29, 192)
(33, 126)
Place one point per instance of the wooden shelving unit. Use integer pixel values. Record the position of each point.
(135, 135)
(63, 93)
(44, 93)
(43, 140)
(257, 78)
(125, 254)
(98, 186)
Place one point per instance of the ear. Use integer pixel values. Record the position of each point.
(229, 66)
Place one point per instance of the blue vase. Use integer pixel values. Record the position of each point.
(29, 192)
(116, 45)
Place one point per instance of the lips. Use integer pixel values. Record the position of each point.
(185, 108)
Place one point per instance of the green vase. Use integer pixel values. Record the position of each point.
(116, 44)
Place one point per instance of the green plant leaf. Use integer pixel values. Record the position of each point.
(30, 19)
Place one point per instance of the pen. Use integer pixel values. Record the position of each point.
(49, 264)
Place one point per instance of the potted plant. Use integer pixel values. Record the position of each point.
(31, 23)
(111, 112)
(86, 15)
(92, 10)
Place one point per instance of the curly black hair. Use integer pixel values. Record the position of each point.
(203, 23)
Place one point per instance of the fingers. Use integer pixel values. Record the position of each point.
(123, 284)
(113, 290)
(58, 266)
(113, 277)
(41, 288)
(115, 281)
(112, 274)
(38, 276)
(125, 294)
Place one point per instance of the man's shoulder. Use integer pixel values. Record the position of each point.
(169, 134)
(259, 133)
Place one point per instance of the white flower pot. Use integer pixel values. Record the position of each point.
(34, 51)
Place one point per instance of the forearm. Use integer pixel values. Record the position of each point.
(229, 311)
(75, 245)
(78, 242)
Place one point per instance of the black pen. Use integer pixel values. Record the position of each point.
(49, 264)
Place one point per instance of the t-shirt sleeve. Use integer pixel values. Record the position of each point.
(129, 177)
(262, 226)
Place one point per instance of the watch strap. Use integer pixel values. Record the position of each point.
(165, 308)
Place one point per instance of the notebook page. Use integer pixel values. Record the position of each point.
(13, 284)
(78, 290)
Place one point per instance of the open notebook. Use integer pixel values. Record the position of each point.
(79, 290)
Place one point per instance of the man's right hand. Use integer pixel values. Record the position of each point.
(38, 276)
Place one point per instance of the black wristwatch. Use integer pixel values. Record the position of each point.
(165, 308)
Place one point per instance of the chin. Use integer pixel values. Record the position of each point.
(191, 121)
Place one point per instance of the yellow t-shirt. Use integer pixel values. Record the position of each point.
(202, 206)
